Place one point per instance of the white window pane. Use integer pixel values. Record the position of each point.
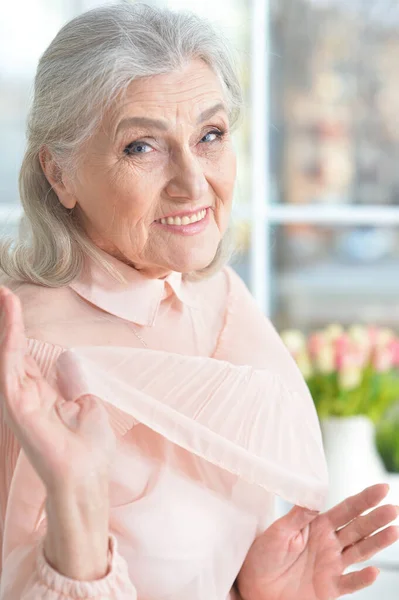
(334, 91)
(334, 274)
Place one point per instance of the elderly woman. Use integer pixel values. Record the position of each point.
(149, 412)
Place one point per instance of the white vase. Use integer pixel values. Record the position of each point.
(352, 458)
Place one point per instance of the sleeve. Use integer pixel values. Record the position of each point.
(25, 574)
(249, 338)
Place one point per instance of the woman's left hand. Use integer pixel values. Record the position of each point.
(303, 555)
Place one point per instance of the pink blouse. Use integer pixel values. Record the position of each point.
(212, 419)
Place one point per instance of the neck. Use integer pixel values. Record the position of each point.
(149, 271)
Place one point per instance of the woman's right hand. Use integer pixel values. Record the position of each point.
(69, 444)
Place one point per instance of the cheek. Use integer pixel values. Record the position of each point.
(130, 197)
(225, 178)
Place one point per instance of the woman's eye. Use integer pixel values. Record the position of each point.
(137, 148)
(211, 136)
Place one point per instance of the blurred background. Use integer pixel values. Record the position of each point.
(318, 191)
(317, 200)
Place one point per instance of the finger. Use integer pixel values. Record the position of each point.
(367, 548)
(21, 380)
(93, 417)
(68, 412)
(297, 518)
(31, 367)
(352, 582)
(365, 526)
(83, 413)
(13, 347)
(354, 506)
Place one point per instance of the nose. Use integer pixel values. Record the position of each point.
(188, 181)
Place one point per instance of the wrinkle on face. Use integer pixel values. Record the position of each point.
(121, 196)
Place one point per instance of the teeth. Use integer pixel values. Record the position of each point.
(184, 220)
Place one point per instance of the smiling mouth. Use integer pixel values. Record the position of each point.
(184, 220)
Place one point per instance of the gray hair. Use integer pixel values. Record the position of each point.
(89, 63)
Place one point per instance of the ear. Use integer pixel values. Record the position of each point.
(56, 179)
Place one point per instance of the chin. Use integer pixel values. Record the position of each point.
(193, 261)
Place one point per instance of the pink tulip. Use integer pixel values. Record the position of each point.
(315, 343)
(383, 359)
(373, 334)
(346, 352)
(321, 351)
(342, 348)
(360, 337)
(352, 358)
(395, 352)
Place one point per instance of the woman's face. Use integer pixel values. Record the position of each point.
(155, 185)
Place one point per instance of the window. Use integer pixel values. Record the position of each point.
(331, 210)
(318, 148)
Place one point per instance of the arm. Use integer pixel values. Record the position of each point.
(77, 539)
(27, 575)
(304, 554)
(69, 445)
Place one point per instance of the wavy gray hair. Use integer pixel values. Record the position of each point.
(90, 62)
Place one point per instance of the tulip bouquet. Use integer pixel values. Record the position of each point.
(349, 372)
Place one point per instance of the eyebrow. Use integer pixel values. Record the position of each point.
(210, 112)
(161, 125)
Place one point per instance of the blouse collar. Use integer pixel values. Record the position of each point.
(138, 300)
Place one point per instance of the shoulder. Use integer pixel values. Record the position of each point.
(238, 302)
(212, 290)
(250, 338)
(231, 313)
(220, 289)
(247, 332)
(44, 309)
